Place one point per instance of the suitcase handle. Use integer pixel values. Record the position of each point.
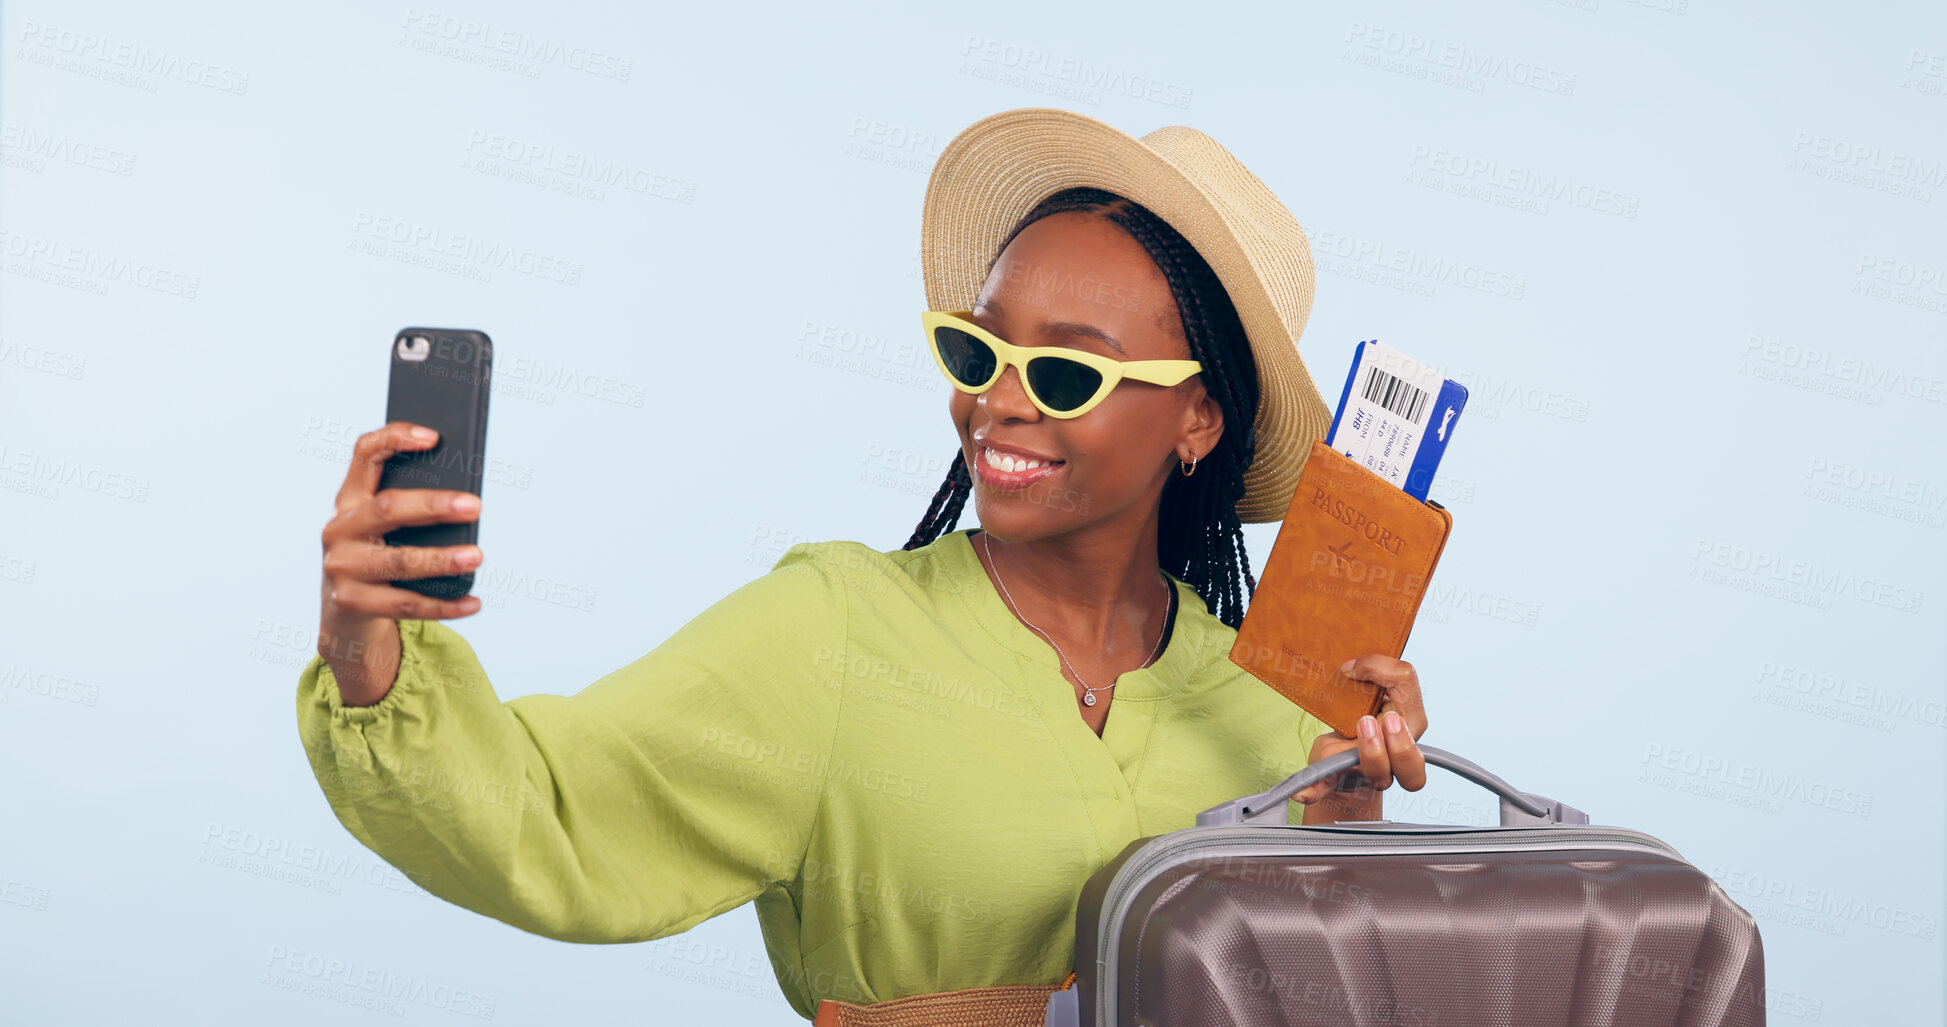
(1518, 808)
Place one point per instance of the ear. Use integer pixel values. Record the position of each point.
(1203, 425)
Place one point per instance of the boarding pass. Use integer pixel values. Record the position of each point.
(1396, 416)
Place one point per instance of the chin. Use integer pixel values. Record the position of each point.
(1036, 513)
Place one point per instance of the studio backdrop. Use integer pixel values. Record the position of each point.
(1686, 255)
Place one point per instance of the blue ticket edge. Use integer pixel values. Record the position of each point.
(1345, 394)
(1419, 477)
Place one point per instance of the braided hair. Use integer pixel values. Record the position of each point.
(1199, 539)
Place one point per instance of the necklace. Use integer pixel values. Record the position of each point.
(1088, 694)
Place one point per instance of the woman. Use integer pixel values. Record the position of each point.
(910, 760)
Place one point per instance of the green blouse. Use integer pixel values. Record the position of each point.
(867, 744)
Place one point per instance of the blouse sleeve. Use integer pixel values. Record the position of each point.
(669, 791)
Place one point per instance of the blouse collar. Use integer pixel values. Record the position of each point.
(1185, 653)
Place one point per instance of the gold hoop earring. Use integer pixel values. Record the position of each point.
(1191, 466)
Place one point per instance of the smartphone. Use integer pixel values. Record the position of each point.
(440, 378)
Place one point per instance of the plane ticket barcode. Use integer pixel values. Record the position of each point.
(1386, 421)
(1396, 396)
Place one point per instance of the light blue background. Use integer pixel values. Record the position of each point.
(1636, 439)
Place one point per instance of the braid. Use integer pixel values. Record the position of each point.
(944, 512)
(1200, 539)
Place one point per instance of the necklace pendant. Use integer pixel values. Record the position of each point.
(1088, 698)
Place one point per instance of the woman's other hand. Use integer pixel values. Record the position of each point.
(1387, 745)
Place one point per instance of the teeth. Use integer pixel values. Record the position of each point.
(1002, 462)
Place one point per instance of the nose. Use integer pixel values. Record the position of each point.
(1008, 399)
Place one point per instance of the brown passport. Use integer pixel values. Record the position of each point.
(1344, 579)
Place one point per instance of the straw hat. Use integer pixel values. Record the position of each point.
(1001, 166)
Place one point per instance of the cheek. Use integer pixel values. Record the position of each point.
(960, 407)
(1109, 448)
(1127, 444)
(1148, 420)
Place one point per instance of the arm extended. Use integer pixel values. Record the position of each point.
(632, 810)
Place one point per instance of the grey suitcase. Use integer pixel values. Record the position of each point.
(1545, 920)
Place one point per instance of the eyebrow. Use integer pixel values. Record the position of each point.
(1062, 327)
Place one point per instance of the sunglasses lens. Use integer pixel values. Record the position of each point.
(1063, 384)
(966, 358)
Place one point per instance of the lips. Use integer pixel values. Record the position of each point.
(1010, 468)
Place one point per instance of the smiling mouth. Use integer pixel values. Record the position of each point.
(1006, 470)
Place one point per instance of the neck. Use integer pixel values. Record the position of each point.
(1100, 588)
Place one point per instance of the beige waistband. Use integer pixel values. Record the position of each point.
(1014, 1005)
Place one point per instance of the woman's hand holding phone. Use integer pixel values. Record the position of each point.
(358, 631)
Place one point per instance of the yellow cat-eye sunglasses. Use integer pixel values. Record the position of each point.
(1061, 382)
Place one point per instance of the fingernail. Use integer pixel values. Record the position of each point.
(424, 434)
(1346, 667)
(1394, 723)
(1368, 728)
(467, 557)
(466, 504)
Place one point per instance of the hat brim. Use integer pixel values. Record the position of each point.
(997, 170)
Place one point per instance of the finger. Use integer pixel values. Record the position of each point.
(1398, 683)
(374, 561)
(1415, 719)
(398, 508)
(1379, 669)
(1406, 698)
(364, 599)
(1374, 761)
(1405, 757)
(1327, 746)
(1376, 674)
(370, 453)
